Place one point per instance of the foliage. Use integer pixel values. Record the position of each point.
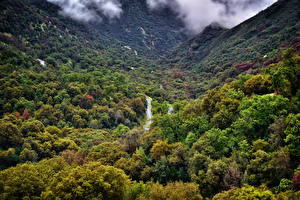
(173, 191)
(90, 181)
(247, 193)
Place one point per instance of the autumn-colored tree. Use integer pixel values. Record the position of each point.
(73, 157)
(26, 114)
(18, 116)
(296, 180)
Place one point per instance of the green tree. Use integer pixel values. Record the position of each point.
(292, 133)
(258, 112)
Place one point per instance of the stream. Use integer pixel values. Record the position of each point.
(148, 114)
(171, 109)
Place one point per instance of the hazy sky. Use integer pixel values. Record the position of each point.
(196, 14)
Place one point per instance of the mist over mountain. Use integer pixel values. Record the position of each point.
(89, 10)
(199, 14)
(194, 13)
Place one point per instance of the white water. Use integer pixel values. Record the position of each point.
(148, 114)
(171, 109)
(41, 62)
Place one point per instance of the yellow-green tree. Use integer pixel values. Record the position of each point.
(246, 193)
(90, 181)
(28, 181)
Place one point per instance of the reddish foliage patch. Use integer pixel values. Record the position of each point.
(245, 66)
(296, 181)
(26, 114)
(73, 157)
(17, 115)
(89, 97)
(271, 61)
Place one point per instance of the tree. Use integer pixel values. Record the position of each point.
(63, 144)
(133, 166)
(138, 106)
(211, 181)
(296, 180)
(90, 181)
(170, 161)
(173, 191)
(31, 127)
(10, 135)
(214, 143)
(48, 115)
(259, 84)
(28, 181)
(107, 153)
(292, 133)
(258, 112)
(28, 155)
(26, 114)
(246, 193)
(259, 170)
(159, 149)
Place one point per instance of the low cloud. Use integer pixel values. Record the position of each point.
(197, 14)
(89, 10)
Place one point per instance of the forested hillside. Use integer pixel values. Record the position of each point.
(147, 32)
(218, 54)
(75, 103)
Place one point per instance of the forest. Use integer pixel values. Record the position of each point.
(73, 109)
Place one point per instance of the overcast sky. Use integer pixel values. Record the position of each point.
(196, 14)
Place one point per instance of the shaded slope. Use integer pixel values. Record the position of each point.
(47, 35)
(257, 40)
(148, 32)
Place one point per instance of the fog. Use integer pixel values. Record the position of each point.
(197, 14)
(89, 10)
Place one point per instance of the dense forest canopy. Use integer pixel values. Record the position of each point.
(75, 98)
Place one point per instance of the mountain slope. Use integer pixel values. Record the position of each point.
(148, 32)
(257, 40)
